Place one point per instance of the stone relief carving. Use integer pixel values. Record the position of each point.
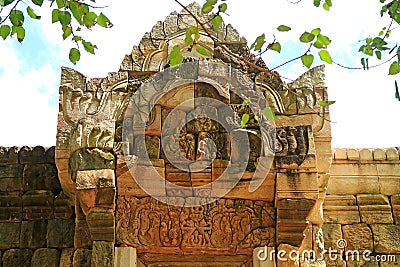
(228, 225)
(291, 145)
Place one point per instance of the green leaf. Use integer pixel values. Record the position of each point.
(20, 31)
(396, 95)
(212, 2)
(364, 64)
(6, 2)
(54, 15)
(216, 22)
(325, 56)
(37, 2)
(307, 37)
(31, 13)
(5, 31)
(258, 43)
(223, 7)
(316, 31)
(64, 17)
(76, 12)
(74, 55)
(317, 3)
(245, 119)
(17, 17)
(269, 114)
(378, 54)
(394, 68)
(326, 6)
(207, 8)
(276, 47)
(284, 28)
(307, 60)
(67, 32)
(189, 40)
(326, 103)
(88, 46)
(175, 57)
(60, 3)
(89, 19)
(201, 50)
(103, 21)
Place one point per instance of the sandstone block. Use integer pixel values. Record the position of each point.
(386, 238)
(82, 257)
(358, 237)
(92, 179)
(45, 257)
(353, 154)
(8, 155)
(379, 154)
(41, 177)
(392, 154)
(17, 257)
(38, 205)
(36, 155)
(297, 185)
(366, 155)
(33, 234)
(10, 184)
(11, 171)
(389, 260)
(101, 225)
(340, 154)
(92, 159)
(62, 207)
(9, 235)
(66, 257)
(374, 209)
(10, 207)
(60, 233)
(396, 208)
(341, 209)
(103, 254)
(332, 233)
(82, 237)
(125, 257)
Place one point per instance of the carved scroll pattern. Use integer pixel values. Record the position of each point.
(223, 225)
(291, 145)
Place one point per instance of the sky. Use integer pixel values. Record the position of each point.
(364, 115)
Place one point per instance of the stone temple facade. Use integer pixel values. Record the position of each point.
(92, 200)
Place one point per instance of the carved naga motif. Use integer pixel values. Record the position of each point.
(88, 113)
(291, 145)
(222, 225)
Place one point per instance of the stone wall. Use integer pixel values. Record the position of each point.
(362, 205)
(36, 220)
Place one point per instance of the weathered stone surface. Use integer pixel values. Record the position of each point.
(101, 224)
(92, 159)
(262, 257)
(66, 257)
(11, 171)
(45, 257)
(33, 234)
(60, 233)
(366, 155)
(368, 262)
(125, 256)
(62, 207)
(82, 237)
(10, 207)
(17, 257)
(297, 185)
(95, 179)
(82, 257)
(353, 154)
(35, 155)
(392, 154)
(38, 205)
(396, 208)
(8, 155)
(284, 259)
(386, 238)
(341, 209)
(358, 237)
(379, 154)
(332, 233)
(374, 209)
(41, 177)
(103, 254)
(9, 235)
